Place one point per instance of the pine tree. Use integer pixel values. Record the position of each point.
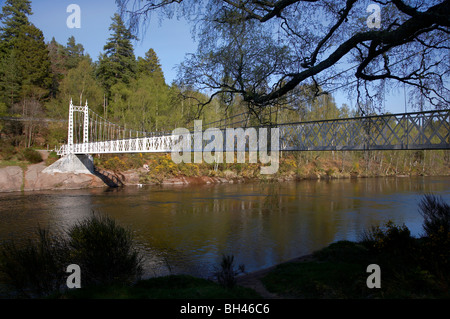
(150, 65)
(34, 62)
(23, 53)
(74, 52)
(58, 57)
(14, 16)
(118, 63)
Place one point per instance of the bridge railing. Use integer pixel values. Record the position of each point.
(406, 131)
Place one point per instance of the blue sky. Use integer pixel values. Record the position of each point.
(171, 39)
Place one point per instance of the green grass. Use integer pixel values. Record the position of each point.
(339, 272)
(167, 287)
(13, 162)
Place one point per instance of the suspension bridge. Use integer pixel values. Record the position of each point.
(89, 133)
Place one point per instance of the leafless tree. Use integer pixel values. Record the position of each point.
(266, 50)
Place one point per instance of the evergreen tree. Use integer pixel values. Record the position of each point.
(74, 52)
(34, 62)
(13, 17)
(118, 63)
(150, 65)
(10, 79)
(58, 57)
(23, 55)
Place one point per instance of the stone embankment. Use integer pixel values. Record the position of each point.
(15, 178)
(38, 177)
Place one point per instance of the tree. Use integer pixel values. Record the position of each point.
(57, 56)
(79, 85)
(24, 55)
(14, 16)
(314, 42)
(34, 63)
(150, 64)
(74, 53)
(118, 63)
(10, 80)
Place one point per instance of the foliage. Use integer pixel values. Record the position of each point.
(52, 157)
(263, 51)
(389, 241)
(436, 214)
(36, 268)
(104, 250)
(115, 164)
(226, 274)
(436, 243)
(117, 64)
(32, 155)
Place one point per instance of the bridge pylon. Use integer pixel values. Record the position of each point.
(71, 162)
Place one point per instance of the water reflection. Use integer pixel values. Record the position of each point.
(187, 228)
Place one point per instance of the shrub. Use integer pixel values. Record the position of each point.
(390, 241)
(436, 214)
(436, 244)
(36, 268)
(115, 164)
(7, 151)
(32, 155)
(104, 251)
(52, 157)
(226, 275)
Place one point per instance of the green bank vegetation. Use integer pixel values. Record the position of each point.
(410, 267)
(293, 166)
(38, 80)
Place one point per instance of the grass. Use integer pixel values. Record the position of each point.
(12, 162)
(167, 287)
(336, 272)
(339, 272)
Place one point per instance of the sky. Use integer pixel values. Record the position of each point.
(171, 39)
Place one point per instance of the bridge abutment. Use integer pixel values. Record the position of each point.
(72, 163)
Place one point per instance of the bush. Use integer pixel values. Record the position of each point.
(226, 275)
(36, 268)
(32, 155)
(104, 251)
(7, 151)
(115, 164)
(436, 214)
(52, 157)
(393, 243)
(436, 243)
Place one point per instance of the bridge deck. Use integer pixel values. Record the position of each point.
(406, 131)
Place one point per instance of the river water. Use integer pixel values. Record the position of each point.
(186, 229)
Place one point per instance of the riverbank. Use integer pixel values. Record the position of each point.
(338, 271)
(159, 169)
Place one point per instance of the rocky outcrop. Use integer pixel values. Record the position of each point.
(14, 179)
(11, 179)
(36, 179)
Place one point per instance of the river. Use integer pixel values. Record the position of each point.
(186, 229)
